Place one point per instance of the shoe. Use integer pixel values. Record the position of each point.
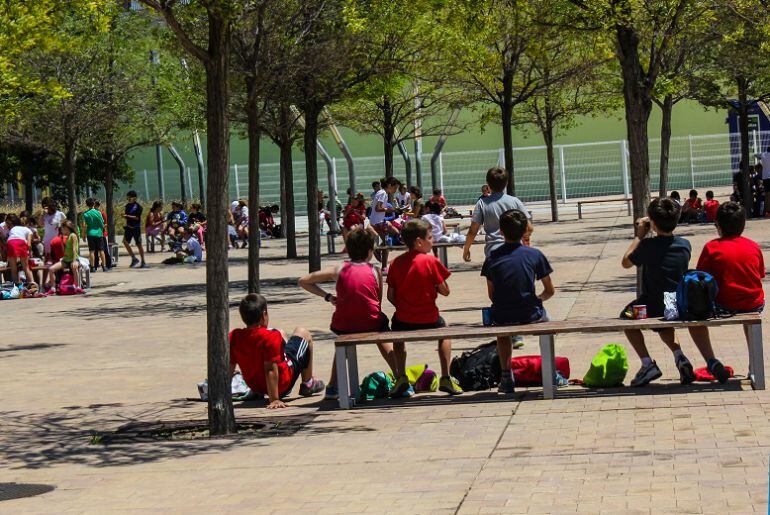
(646, 374)
(332, 393)
(401, 387)
(144, 265)
(134, 262)
(719, 371)
(105, 269)
(315, 386)
(93, 269)
(506, 386)
(449, 384)
(518, 342)
(686, 373)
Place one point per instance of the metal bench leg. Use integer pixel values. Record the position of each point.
(548, 364)
(628, 206)
(580, 211)
(756, 357)
(442, 255)
(340, 357)
(352, 371)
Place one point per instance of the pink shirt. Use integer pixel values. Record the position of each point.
(358, 299)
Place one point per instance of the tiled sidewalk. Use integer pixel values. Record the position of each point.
(135, 347)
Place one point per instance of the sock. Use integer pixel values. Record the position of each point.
(710, 363)
(646, 362)
(677, 353)
(309, 382)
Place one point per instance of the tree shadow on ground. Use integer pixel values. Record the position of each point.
(179, 300)
(76, 435)
(9, 351)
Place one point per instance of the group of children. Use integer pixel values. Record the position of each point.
(511, 269)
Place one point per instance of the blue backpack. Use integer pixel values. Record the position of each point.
(696, 296)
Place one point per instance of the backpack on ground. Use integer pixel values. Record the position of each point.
(477, 369)
(528, 370)
(608, 368)
(696, 296)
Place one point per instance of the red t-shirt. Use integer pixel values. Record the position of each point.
(251, 348)
(438, 199)
(738, 266)
(711, 206)
(415, 276)
(57, 248)
(692, 203)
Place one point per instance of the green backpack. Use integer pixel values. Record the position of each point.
(376, 385)
(608, 368)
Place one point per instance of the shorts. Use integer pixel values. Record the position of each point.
(66, 266)
(384, 327)
(94, 243)
(132, 233)
(543, 318)
(296, 350)
(398, 325)
(17, 249)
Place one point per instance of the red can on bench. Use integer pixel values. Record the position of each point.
(640, 311)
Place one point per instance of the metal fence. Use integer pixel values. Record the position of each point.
(582, 170)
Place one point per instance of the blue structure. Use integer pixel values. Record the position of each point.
(759, 118)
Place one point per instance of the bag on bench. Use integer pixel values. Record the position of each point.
(696, 296)
(478, 369)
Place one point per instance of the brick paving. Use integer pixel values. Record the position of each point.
(134, 348)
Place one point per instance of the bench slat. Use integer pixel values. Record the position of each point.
(591, 325)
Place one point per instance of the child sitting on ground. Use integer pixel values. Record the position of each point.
(664, 260)
(192, 252)
(710, 207)
(691, 208)
(270, 363)
(414, 282)
(511, 271)
(738, 266)
(358, 299)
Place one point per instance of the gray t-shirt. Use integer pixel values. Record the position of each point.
(487, 212)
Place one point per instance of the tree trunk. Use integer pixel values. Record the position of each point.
(311, 167)
(288, 211)
(220, 405)
(69, 171)
(548, 138)
(665, 144)
(638, 104)
(743, 126)
(252, 114)
(109, 194)
(506, 111)
(29, 194)
(388, 136)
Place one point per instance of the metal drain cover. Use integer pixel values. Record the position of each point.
(10, 491)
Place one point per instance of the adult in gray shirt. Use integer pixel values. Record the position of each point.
(487, 212)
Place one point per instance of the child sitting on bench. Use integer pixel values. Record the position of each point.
(270, 363)
(414, 282)
(358, 299)
(511, 271)
(738, 266)
(664, 260)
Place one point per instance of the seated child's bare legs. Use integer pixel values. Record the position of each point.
(399, 354)
(636, 339)
(445, 356)
(504, 351)
(307, 372)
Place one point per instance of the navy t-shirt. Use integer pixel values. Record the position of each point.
(134, 209)
(513, 269)
(664, 260)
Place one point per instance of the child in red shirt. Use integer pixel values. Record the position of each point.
(357, 299)
(691, 208)
(438, 198)
(414, 281)
(710, 207)
(269, 363)
(738, 266)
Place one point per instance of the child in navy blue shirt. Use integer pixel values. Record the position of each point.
(511, 271)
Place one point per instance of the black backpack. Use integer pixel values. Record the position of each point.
(696, 296)
(478, 369)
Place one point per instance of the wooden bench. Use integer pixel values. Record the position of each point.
(85, 274)
(347, 363)
(598, 201)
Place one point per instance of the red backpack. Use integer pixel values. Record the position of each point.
(528, 370)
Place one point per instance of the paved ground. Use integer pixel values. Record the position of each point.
(134, 348)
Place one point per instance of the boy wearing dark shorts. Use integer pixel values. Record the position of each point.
(414, 282)
(737, 265)
(94, 231)
(270, 363)
(511, 271)
(133, 229)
